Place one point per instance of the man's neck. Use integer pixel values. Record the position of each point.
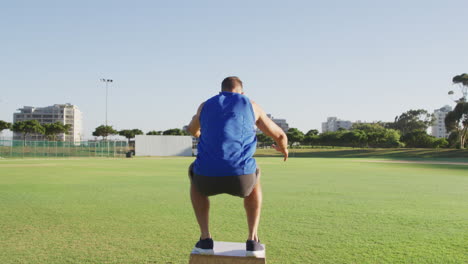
(235, 90)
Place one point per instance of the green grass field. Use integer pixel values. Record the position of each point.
(316, 210)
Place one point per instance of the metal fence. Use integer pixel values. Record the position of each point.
(55, 149)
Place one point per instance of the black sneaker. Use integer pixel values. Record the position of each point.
(204, 247)
(254, 249)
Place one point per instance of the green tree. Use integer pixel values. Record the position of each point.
(53, 129)
(154, 133)
(440, 143)
(130, 133)
(379, 136)
(354, 138)
(330, 138)
(104, 131)
(4, 125)
(264, 139)
(454, 140)
(412, 120)
(27, 127)
(294, 136)
(368, 128)
(311, 139)
(462, 81)
(420, 139)
(313, 132)
(386, 138)
(175, 132)
(457, 121)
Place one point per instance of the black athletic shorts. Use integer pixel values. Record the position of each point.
(241, 185)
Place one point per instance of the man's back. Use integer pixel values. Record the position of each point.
(228, 141)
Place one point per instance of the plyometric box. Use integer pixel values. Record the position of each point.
(226, 253)
(163, 145)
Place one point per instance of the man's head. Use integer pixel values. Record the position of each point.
(232, 84)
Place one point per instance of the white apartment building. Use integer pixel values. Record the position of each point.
(63, 113)
(438, 128)
(333, 124)
(280, 122)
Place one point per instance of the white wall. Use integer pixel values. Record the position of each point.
(163, 145)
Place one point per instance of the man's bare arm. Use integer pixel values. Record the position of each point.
(267, 126)
(194, 126)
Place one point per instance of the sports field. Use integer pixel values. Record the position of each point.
(316, 210)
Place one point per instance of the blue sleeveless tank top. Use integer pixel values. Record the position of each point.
(228, 139)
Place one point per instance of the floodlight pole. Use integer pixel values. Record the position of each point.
(107, 81)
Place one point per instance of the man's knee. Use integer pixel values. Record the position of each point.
(254, 200)
(256, 189)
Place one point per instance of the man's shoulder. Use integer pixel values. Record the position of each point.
(212, 98)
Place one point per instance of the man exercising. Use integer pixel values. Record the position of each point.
(225, 124)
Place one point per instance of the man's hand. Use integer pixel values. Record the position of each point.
(284, 151)
(267, 126)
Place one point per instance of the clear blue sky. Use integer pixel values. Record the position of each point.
(300, 60)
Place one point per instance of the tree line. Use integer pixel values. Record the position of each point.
(25, 128)
(52, 130)
(407, 130)
(375, 135)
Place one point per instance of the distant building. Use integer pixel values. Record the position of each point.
(438, 128)
(63, 113)
(280, 122)
(333, 124)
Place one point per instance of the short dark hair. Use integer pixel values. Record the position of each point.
(229, 83)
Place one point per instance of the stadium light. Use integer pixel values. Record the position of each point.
(107, 81)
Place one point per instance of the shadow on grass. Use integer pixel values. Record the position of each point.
(455, 155)
(436, 167)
